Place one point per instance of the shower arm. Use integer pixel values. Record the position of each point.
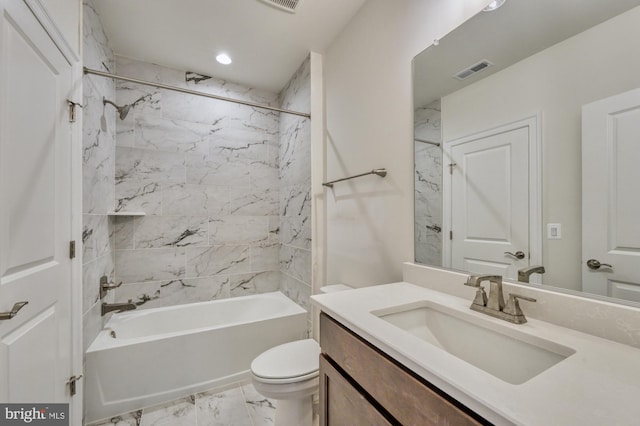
(107, 101)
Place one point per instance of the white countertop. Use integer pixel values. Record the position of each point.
(598, 385)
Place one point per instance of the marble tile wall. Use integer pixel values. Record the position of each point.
(295, 188)
(99, 142)
(206, 173)
(428, 185)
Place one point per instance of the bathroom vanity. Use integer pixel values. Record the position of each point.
(403, 353)
(359, 384)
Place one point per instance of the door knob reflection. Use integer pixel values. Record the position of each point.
(595, 264)
(517, 255)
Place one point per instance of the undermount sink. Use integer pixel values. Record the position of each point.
(501, 351)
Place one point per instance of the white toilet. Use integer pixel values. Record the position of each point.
(289, 374)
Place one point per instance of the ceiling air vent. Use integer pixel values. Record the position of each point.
(473, 69)
(286, 5)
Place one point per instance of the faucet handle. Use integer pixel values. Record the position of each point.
(481, 297)
(105, 286)
(513, 307)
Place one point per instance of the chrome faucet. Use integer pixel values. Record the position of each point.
(494, 304)
(119, 307)
(525, 273)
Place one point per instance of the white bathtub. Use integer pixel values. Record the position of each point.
(165, 353)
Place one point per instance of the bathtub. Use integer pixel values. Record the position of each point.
(146, 357)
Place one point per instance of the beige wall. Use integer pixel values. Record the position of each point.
(556, 82)
(370, 125)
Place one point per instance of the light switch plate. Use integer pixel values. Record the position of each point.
(554, 231)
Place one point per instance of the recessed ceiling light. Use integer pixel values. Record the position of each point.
(223, 58)
(493, 5)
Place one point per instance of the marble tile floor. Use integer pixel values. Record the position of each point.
(239, 405)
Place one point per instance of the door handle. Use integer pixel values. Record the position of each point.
(595, 264)
(13, 312)
(518, 255)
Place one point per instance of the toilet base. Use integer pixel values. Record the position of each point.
(294, 412)
(294, 401)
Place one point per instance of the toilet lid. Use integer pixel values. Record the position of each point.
(290, 360)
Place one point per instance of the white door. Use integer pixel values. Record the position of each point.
(491, 200)
(611, 196)
(35, 212)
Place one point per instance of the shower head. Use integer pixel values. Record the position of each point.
(122, 110)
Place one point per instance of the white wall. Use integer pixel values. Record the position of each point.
(66, 14)
(369, 117)
(595, 64)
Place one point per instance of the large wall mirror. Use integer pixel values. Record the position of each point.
(527, 146)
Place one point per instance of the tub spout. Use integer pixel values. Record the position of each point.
(119, 307)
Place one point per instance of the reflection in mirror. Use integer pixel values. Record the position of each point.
(527, 139)
(428, 184)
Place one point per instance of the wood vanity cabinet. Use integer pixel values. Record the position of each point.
(359, 385)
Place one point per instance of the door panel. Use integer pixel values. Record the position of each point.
(610, 196)
(623, 290)
(35, 210)
(31, 235)
(624, 210)
(38, 332)
(487, 191)
(490, 201)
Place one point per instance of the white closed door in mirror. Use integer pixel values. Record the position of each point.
(489, 179)
(611, 197)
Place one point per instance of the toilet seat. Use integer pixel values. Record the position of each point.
(288, 363)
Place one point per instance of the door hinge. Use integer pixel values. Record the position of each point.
(72, 110)
(451, 235)
(72, 249)
(72, 384)
(451, 167)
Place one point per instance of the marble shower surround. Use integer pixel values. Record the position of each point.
(208, 176)
(295, 188)
(428, 184)
(98, 165)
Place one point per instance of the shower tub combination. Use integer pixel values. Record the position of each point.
(142, 358)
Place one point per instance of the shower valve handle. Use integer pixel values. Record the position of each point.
(105, 286)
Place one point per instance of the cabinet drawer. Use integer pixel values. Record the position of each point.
(342, 404)
(410, 400)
